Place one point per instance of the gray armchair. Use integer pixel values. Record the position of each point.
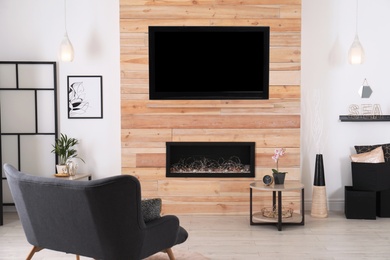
(100, 219)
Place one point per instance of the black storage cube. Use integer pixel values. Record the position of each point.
(383, 204)
(371, 176)
(359, 204)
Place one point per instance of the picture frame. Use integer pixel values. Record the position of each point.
(85, 97)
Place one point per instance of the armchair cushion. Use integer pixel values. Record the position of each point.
(151, 209)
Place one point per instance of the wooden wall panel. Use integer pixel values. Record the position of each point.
(147, 125)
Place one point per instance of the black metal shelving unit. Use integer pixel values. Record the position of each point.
(28, 117)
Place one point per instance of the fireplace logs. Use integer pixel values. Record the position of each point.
(211, 159)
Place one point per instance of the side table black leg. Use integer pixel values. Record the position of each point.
(303, 207)
(250, 206)
(279, 210)
(274, 200)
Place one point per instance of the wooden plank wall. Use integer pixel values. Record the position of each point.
(273, 123)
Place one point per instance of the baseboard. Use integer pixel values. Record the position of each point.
(333, 205)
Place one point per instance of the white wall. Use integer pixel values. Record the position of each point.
(33, 31)
(328, 29)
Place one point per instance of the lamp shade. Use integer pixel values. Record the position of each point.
(66, 50)
(356, 52)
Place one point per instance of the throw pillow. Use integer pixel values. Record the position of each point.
(151, 209)
(374, 156)
(368, 148)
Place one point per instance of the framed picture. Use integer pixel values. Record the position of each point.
(85, 97)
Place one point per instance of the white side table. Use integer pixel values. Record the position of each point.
(257, 218)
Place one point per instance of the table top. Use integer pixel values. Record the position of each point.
(75, 177)
(288, 185)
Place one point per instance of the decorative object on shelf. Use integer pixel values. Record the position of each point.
(268, 180)
(63, 148)
(271, 212)
(365, 110)
(66, 48)
(356, 54)
(365, 90)
(319, 206)
(85, 97)
(364, 113)
(278, 176)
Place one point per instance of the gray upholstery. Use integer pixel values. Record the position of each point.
(100, 219)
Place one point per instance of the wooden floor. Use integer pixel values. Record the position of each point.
(231, 237)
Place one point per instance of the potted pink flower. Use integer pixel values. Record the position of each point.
(278, 176)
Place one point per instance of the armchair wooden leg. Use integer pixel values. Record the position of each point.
(37, 249)
(33, 251)
(170, 254)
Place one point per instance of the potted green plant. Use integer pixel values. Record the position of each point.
(63, 148)
(278, 176)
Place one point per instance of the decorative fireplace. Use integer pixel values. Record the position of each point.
(210, 159)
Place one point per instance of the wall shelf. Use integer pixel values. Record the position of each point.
(364, 118)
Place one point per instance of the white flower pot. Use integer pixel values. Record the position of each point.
(61, 169)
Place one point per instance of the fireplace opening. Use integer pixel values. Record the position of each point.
(210, 159)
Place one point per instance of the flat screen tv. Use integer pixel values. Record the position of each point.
(208, 62)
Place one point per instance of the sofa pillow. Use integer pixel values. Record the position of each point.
(151, 209)
(374, 156)
(367, 148)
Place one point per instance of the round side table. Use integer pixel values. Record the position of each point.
(257, 218)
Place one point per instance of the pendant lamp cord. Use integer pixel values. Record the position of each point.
(357, 11)
(66, 31)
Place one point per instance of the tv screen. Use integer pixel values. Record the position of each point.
(208, 62)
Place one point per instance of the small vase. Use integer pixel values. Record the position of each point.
(279, 178)
(71, 168)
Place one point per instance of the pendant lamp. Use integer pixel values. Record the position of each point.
(356, 54)
(66, 47)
